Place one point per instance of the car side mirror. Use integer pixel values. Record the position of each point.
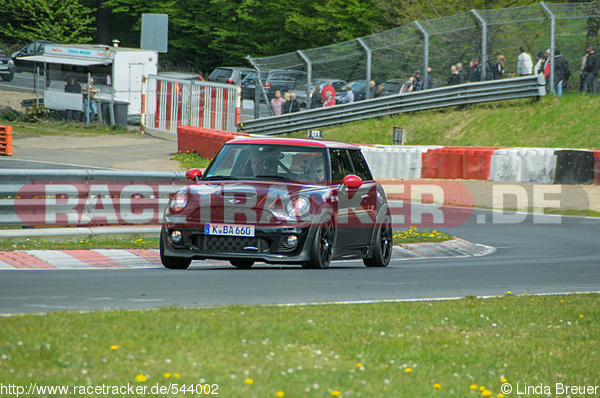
(352, 181)
(193, 175)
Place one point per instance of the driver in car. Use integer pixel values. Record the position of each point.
(317, 170)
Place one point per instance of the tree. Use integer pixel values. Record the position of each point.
(64, 21)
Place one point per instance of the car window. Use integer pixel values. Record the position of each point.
(268, 162)
(361, 168)
(341, 165)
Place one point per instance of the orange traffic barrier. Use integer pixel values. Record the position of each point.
(6, 147)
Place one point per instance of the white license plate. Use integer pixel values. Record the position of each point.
(229, 229)
(3, 67)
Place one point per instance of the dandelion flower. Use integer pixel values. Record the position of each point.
(280, 394)
(167, 375)
(486, 393)
(249, 381)
(473, 387)
(408, 370)
(503, 380)
(141, 378)
(437, 386)
(114, 347)
(500, 395)
(335, 393)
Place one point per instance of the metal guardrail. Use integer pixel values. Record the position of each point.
(460, 94)
(53, 198)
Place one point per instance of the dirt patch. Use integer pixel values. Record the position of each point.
(12, 99)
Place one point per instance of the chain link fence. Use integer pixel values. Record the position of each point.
(434, 46)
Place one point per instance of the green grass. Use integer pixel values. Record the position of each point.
(462, 348)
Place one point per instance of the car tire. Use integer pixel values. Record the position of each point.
(172, 262)
(383, 246)
(321, 251)
(8, 78)
(244, 264)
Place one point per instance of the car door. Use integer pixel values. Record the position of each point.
(355, 218)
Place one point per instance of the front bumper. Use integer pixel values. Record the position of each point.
(267, 245)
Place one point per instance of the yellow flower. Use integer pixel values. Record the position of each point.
(437, 386)
(503, 380)
(486, 393)
(167, 375)
(509, 292)
(473, 387)
(358, 365)
(141, 379)
(279, 394)
(176, 375)
(336, 393)
(114, 347)
(500, 395)
(581, 315)
(249, 381)
(408, 370)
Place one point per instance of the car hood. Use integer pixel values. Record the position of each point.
(250, 201)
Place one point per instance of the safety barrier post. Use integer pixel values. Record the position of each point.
(6, 147)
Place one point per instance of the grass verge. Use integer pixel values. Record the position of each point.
(465, 348)
(411, 235)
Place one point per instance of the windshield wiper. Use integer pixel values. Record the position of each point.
(218, 177)
(275, 177)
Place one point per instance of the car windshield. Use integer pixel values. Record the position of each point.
(303, 164)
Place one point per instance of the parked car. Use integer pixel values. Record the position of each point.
(35, 48)
(249, 84)
(229, 75)
(279, 201)
(304, 98)
(7, 67)
(395, 86)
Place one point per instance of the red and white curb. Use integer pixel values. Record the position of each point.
(150, 258)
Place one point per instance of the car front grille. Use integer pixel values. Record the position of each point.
(229, 244)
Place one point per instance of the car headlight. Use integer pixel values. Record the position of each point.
(298, 206)
(178, 202)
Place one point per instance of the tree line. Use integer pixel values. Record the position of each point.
(204, 34)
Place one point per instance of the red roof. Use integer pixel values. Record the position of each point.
(294, 141)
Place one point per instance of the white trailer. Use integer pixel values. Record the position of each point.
(118, 73)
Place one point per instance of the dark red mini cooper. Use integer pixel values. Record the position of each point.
(279, 201)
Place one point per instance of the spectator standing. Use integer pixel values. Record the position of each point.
(475, 71)
(315, 100)
(498, 71)
(463, 75)
(349, 97)
(328, 88)
(524, 63)
(561, 72)
(539, 66)
(89, 104)
(590, 85)
(582, 73)
(292, 105)
(74, 87)
(277, 103)
(329, 101)
(380, 91)
(416, 82)
(372, 89)
(454, 77)
(429, 81)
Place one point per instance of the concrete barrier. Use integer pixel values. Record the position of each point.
(535, 165)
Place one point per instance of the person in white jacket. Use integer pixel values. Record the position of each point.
(524, 63)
